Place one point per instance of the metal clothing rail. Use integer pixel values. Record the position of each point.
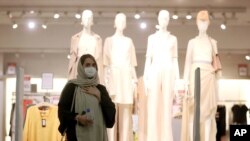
(196, 126)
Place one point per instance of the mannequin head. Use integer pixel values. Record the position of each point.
(87, 18)
(163, 18)
(202, 20)
(120, 21)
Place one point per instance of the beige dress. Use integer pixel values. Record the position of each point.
(120, 57)
(199, 54)
(161, 72)
(85, 44)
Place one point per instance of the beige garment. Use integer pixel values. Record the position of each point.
(142, 111)
(122, 130)
(199, 54)
(93, 47)
(161, 71)
(120, 57)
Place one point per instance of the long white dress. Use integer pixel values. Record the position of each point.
(161, 73)
(199, 54)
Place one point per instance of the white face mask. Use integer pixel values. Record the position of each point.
(90, 71)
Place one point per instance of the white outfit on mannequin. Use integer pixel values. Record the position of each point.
(161, 71)
(199, 54)
(85, 42)
(120, 59)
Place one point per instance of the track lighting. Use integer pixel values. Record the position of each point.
(14, 25)
(189, 16)
(175, 15)
(56, 16)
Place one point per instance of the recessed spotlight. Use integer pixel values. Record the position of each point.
(175, 17)
(31, 25)
(223, 26)
(68, 56)
(189, 17)
(137, 16)
(247, 57)
(56, 16)
(14, 26)
(32, 11)
(44, 26)
(77, 15)
(143, 25)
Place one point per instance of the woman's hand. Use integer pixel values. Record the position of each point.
(83, 120)
(93, 91)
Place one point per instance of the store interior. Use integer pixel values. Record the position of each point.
(33, 39)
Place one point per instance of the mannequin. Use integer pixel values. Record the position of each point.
(85, 42)
(199, 54)
(120, 62)
(161, 71)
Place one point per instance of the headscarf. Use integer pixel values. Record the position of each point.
(85, 101)
(81, 79)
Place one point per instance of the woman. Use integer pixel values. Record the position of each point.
(83, 96)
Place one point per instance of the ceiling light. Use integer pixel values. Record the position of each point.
(32, 11)
(223, 26)
(77, 16)
(14, 26)
(68, 56)
(143, 25)
(56, 16)
(247, 57)
(175, 16)
(31, 25)
(44, 26)
(188, 16)
(137, 16)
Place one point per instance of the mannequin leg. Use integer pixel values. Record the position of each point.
(207, 129)
(154, 110)
(112, 132)
(125, 122)
(191, 124)
(166, 104)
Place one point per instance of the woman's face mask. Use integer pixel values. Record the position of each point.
(90, 71)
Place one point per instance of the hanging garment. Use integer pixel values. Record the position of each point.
(220, 122)
(41, 125)
(239, 114)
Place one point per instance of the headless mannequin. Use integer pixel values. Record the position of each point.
(86, 42)
(205, 42)
(161, 71)
(119, 61)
